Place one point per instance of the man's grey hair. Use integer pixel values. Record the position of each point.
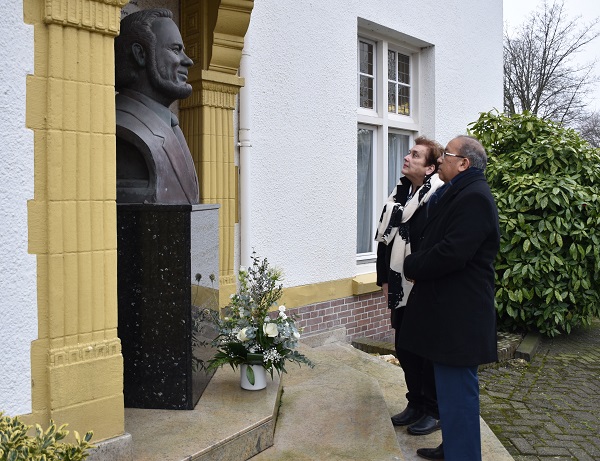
(472, 149)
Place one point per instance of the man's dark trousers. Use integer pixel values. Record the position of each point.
(458, 402)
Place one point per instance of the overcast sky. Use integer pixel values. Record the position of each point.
(515, 11)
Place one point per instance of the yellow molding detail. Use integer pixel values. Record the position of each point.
(328, 291)
(228, 38)
(365, 283)
(316, 293)
(83, 352)
(102, 16)
(213, 89)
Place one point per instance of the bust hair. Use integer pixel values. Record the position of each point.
(434, 150)
(471, 148)
(135, 28)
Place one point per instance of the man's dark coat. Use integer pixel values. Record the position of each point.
(450, 317)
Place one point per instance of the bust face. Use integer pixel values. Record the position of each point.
(168, 64)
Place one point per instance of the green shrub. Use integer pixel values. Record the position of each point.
(545, 180)
(17, 445)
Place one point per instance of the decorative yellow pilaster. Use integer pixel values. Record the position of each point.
(77, 367)
(208, 118)
(214, 37)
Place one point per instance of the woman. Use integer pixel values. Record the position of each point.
(402, 218)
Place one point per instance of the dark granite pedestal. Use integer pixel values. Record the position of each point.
(159, 251)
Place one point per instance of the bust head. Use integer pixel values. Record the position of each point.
(150, 56)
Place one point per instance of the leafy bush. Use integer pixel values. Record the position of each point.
(545, 179)
(16, 445)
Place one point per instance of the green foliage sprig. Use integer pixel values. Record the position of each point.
(17, 445)
(251, 333)
(544, 178)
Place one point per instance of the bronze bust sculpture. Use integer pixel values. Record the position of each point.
(154, 164)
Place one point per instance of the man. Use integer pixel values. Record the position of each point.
(154, 164)
(451, 318)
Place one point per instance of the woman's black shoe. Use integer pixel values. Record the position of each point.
(408, 416)
(432, 453)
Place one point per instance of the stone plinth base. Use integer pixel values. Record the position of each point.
(156, 318)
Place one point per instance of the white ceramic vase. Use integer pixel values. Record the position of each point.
(260, 377)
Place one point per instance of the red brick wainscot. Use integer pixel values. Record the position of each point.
(364, 316)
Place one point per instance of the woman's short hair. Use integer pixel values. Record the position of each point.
(434, 150)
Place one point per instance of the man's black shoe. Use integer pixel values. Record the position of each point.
(432, 453)
(408, 416)
(426, 425)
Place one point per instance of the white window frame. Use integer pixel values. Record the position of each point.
(383, 122)
(375, 74)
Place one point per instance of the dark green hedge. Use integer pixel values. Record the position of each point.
(545, 180)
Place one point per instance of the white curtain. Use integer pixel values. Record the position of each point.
(364, 191)
(397, 150)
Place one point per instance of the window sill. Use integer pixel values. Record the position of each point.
(365, 283)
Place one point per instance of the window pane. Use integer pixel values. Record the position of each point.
(404, 100)
(366, 58)
(397, 150)
(403, 69)
(391, 65)
(366, 92)
(364, 191)
(392, 97)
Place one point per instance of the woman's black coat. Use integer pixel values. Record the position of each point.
(450, 317)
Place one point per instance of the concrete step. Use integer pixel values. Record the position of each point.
(335, 411)
(228, 424)
(339, 410)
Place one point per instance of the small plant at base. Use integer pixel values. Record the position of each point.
(252, 334)
(17, 445)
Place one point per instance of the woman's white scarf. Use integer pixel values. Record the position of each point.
(394, 221)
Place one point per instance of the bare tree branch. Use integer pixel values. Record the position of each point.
(589, 128)
(540, 72)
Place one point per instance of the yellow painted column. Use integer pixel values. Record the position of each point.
(214, 37)
(77, 367)
(207, 118)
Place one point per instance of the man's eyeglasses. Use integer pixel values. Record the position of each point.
(452, 155)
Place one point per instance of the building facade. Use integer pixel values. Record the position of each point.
(300, 117)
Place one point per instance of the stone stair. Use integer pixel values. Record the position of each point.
(228, 424)
(339, 410)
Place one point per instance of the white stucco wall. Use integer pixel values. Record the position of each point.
(18, 323)
(301, 71)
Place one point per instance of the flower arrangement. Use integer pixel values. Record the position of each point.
(252, 334)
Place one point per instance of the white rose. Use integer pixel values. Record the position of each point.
(282, 308)
(270, 329)
(242, 335)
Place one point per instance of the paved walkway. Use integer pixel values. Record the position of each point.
(548, 408)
